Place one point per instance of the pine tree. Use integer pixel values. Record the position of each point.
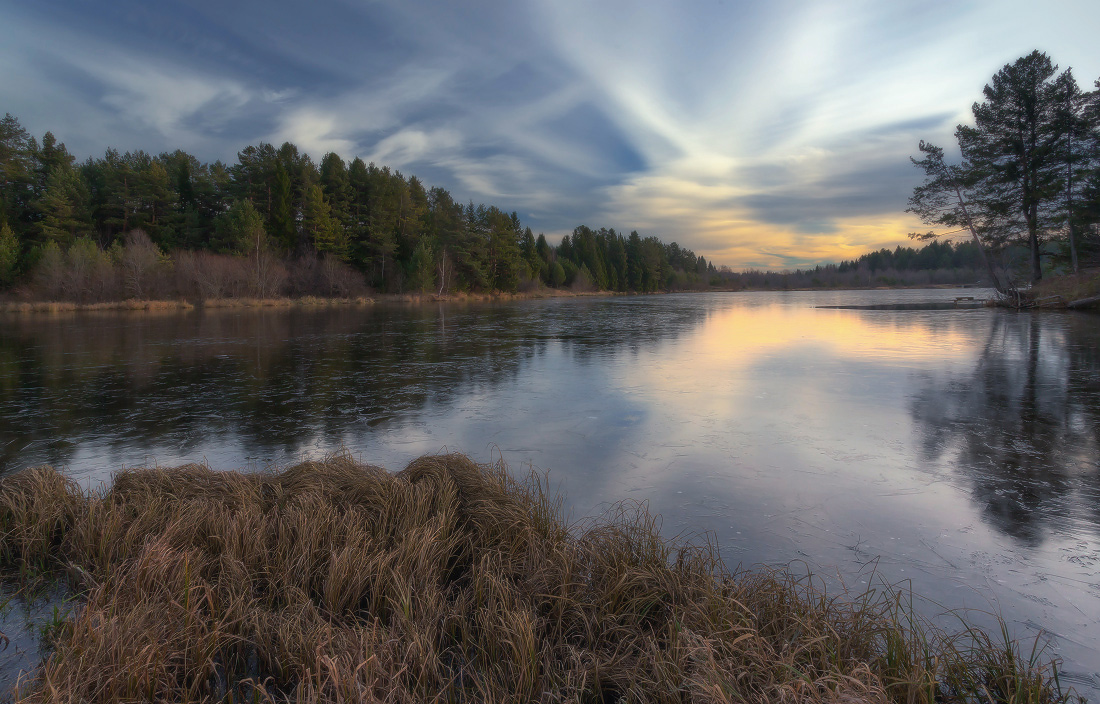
(1009, 153)
(63, 207)
(242, 227)
(280, 221)
(16, 172)
(154, 200)
(9, 254)
(51, 155)
(1071, 155)
(336, 185)
(324, 232)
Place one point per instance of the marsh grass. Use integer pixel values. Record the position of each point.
(449, 581)
(1070, 287)
(176, 304)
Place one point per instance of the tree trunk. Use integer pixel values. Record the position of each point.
(1069, 200)
(1033, 245)
(977, 240)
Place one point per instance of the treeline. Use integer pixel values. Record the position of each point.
(133, 225)
(939, 262)
(276, 223)
(934, 255)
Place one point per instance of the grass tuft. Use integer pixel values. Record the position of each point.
(449, 581)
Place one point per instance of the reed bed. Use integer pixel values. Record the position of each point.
(175, 304)
(449, 581)
(71, 307)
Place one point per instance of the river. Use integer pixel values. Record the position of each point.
(956, 450)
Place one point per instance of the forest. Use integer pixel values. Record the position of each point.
(275, 223)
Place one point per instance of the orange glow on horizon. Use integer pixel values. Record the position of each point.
(753, 245)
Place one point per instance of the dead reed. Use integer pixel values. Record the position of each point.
(172, 305)
(448, 582)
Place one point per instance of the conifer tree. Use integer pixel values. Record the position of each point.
(9, 254)
(1010, 154)
(324, 232)
(281, 216)
(63, 207)
(16, 171)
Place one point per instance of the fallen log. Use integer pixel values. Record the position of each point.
(1084, 302)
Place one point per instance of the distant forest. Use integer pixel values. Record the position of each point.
(275, 223)
(936, 263)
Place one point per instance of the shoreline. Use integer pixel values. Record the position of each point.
(131, 304)
(1065, 292)
(18, 306)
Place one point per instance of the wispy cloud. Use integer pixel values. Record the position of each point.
(758, 134)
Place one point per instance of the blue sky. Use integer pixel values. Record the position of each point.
(767, 134)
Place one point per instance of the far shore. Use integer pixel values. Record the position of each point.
(133, 304)
(1080, 291)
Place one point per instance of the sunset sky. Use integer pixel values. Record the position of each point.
(763, 134)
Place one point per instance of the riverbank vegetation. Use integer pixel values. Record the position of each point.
(1081, 290)
(448, 581)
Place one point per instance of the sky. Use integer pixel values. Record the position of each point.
(759, 134)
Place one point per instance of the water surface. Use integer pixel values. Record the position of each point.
(959, 449)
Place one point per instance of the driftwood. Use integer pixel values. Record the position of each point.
(1084, 302)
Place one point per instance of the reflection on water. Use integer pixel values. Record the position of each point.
(277, 381)
(1023, 423)
(955, 449)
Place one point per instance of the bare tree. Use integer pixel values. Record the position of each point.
(140, 262)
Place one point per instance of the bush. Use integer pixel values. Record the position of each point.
(557, 274)
(142, 266)
(326, 276)
(204, 275)
(582, 280)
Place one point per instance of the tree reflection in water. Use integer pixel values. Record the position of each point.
(1023, 427)
(274, 380)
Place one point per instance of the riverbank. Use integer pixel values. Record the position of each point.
(1080, 291)
(1075, 291)
(25, 306)
(302, 302)
(448, 581)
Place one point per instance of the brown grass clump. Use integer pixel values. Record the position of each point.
(178, 304)
(449, 581)
(1069, 287)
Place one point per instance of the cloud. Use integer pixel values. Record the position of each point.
(352, 121)
(412, 146)
(166, 99)
(751, 132)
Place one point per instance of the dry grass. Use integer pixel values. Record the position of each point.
(1070, 287)
(493, 296)
(281, 302)
(447, 582)
(157, 305)
(69, 307)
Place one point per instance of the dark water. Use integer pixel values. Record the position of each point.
(958, 449)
